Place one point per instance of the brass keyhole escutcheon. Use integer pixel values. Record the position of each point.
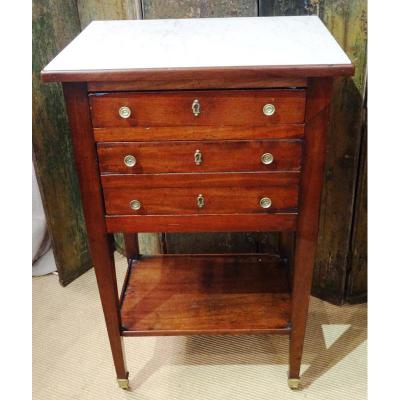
(198, 157)
(201, 202)
(124, 112)
(265, 202)
(196, 107)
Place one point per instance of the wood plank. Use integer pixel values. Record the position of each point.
(174, 157)
(347, 21)
(95, 10)
(153, 9)
(180, 295)
(357, 279)
(202, 223)
(162, 133)
(216, 108)
(54, 25)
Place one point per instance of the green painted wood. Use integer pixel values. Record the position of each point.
(55, 23)
(92, 10)
(347, 21)
(149, 243)
(155, 9)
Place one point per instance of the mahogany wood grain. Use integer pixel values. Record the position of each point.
(217, 200)
(191, 294)
(100, 243)
(247, 179)
(317, 114)
(131, 245)
(248, 81)
(219, 107)
(168, 133)
(167, 157)
(224, 193)
(202, 223)
(180, 295)
(221, 76)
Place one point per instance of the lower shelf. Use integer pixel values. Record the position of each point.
(215, 294)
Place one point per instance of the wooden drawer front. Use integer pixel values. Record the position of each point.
(216, 108)
(165, 157)
(220, 194)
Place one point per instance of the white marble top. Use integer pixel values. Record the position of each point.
(203, 42)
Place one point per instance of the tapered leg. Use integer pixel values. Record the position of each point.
(100, 242)
(316, 118)
(131, 245)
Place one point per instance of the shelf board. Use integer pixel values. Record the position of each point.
(198, 294)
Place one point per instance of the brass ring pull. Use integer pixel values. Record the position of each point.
(196, 107)
(269, 109)
(198, 157)
(124, 112)
(267, 158)
(130, 161)
(201, 202)
(265, 202)
(135, 205)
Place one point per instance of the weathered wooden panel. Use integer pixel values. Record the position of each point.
(357, 283)
(91, 10)
(149, 243)
(233, 242)
(346, 20)
(55, 24)
(154, 9)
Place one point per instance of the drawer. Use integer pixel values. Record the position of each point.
(198, 108)
(169, 157)
(206, 200)
(188, 194)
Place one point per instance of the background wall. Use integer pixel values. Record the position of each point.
(340, 270)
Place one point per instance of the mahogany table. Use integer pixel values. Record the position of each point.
(202, 125)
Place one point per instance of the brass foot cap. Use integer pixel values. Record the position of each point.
(294, 383)
(123, 383)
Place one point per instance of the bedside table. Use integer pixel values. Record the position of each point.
(202, 125)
